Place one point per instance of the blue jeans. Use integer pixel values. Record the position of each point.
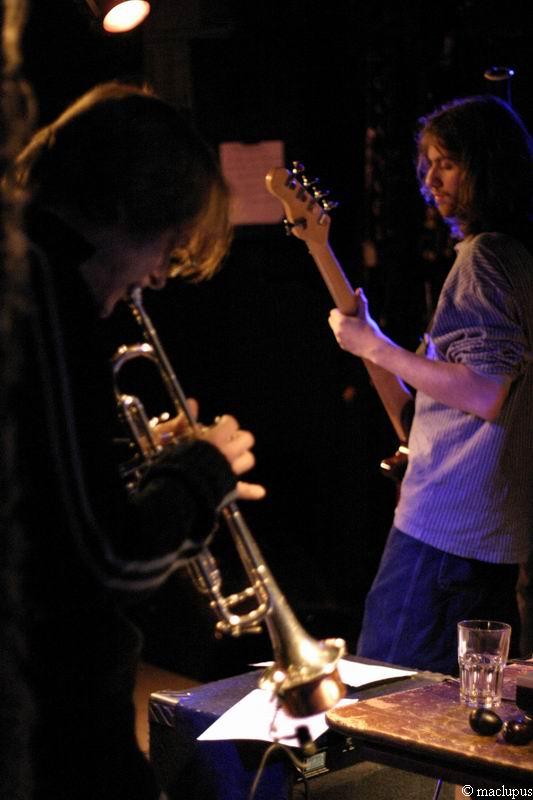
(420, 594)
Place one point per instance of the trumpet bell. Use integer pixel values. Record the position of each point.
(311, 684)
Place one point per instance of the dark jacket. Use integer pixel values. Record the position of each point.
(93, 548)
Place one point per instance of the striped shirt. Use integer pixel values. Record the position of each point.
(468, 487)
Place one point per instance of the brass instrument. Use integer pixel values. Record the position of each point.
(304, 675)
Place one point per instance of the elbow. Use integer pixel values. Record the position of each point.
(490, 414)
(491, 401)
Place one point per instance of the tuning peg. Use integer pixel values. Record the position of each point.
(326, 205)
(299, 223)
(311, 186)
(309, 183)
(298, 170)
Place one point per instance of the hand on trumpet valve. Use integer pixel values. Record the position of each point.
(167, 429)
(235, 444)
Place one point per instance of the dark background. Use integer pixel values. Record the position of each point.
(255, 341)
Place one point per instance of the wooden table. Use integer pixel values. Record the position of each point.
(426, 730)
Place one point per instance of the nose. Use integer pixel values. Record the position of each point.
(433, 177)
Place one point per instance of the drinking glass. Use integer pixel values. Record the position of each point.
(483, 647)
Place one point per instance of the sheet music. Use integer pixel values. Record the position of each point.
(252, 717)
(357, 674)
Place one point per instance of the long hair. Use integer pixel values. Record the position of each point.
(121, 155)
(491, 143)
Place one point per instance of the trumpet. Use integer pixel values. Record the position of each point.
(304, 675)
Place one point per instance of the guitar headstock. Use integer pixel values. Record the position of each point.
(306, 206)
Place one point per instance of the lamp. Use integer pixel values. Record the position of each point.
(502, 77)
(119, 16)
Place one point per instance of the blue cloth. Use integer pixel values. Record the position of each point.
(418, 597)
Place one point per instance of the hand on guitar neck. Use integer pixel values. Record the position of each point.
(307, 218)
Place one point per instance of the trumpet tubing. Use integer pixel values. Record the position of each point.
(304, 674)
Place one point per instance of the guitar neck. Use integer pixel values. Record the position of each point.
(333, 275)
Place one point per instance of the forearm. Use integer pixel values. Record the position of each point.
(143, 537)
(454, 385)
(178, 498)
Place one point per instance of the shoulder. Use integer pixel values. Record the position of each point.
(497, 257)
(501, 248)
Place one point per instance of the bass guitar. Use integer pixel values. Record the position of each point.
(306, 209)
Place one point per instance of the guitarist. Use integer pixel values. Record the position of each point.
(465, 515)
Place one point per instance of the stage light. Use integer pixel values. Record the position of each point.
(119, 16)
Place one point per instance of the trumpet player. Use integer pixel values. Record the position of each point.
(119, 187)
